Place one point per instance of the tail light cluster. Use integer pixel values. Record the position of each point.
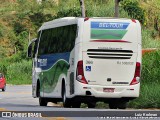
(133, 20)
(80, 73)
(137, 74)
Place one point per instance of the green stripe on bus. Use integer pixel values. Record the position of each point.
(50, 78)
(107, 34)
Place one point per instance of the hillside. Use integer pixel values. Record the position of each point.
(20, 19)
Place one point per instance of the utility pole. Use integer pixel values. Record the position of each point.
(82, 8)
(116, 8)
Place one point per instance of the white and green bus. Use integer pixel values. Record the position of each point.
(86, 60)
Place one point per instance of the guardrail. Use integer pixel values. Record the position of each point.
(148, 50)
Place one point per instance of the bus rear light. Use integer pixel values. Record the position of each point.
(133, 20)
(80, 73)
(85, 19)
(136, 78)
(134, 81)
(138, 69)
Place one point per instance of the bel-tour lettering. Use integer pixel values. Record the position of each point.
(111, 25)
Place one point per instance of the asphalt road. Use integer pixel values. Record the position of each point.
(18, 102)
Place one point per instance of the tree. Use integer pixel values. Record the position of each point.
(116, 8)
(82, 8)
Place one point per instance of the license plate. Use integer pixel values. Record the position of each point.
(108, 89)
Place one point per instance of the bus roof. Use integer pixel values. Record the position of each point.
(59, 22)
(70, 20)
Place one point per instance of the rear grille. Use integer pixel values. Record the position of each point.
(109, 54)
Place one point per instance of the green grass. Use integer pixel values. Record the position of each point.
(151, 68)
(149, 96)
(148, 41)
(19, 73)
(150, 82)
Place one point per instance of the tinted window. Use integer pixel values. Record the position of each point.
(58, 40)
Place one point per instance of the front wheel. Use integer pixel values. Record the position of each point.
(42, 101)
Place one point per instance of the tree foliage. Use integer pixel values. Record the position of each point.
(134, 10)
(21, 19)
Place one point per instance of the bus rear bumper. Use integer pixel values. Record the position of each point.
(97, 91)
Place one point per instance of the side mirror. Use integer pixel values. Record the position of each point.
(29, 52)
(32, 48)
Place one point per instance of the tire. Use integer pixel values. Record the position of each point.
(38, 89)
(91, 105)
(66, 102)
(42, 102)
(118, 103)
(76, 105)
(113, 105)
(4, 89)
(122, 105)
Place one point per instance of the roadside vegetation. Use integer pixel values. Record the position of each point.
(150, 92)
(20, 19)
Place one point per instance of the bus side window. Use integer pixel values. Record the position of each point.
(51, 47)
(72, 36)
(43, 45)
(58, 40)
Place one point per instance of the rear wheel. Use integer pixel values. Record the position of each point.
(91, 105)
(76, 105)
(113, 105)
(118, 103)
(66, 102)
(122, 104)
